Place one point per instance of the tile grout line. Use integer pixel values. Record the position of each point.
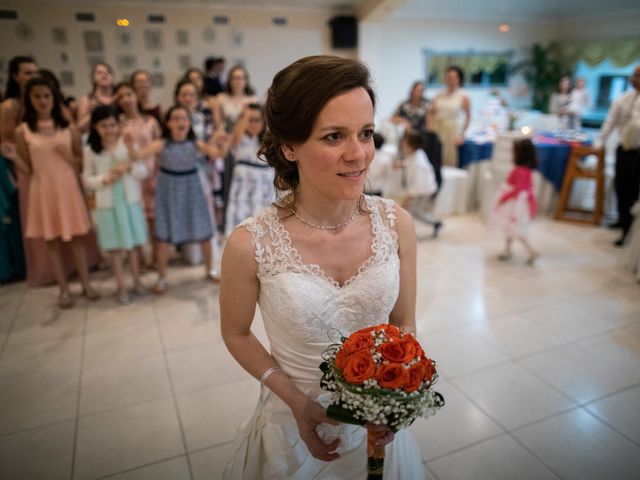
(507, 431)
(173, 393)
(138, 467)
(566, 395)
(79, 395)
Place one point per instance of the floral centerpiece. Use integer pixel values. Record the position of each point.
(379, 375)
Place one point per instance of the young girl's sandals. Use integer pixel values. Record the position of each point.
(213, 276)
(161, 286)
(65, 300)
(91, 294)
(123, 297)
(140, 291)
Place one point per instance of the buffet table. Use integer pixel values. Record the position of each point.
(553, 155)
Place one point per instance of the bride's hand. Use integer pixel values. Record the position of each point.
(308, 417)
(385, 434)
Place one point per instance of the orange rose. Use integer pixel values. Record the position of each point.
(385, 327)
(401, 350)
(392, 375)
(356, 342)
(429, 369)
(416, 376)
(341, 359)
(392, 331)
(359, 367)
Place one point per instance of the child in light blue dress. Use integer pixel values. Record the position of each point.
(116, 181)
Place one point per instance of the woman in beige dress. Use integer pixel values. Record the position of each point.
(446, 115)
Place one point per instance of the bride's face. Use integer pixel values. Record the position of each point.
(334, 160)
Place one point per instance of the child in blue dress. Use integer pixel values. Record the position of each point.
(252, 187)
(182, 212)
(116, 180)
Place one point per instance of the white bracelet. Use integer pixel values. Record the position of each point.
(267, 374)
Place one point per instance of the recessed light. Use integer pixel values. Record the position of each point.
(504, 28)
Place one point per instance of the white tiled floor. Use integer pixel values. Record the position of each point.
(540, 369)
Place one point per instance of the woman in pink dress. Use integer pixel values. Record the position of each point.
(39, 272)
(142, 129)
(50, 150)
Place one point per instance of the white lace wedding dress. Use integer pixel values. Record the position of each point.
(300, 305)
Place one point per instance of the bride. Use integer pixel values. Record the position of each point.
(323, 257)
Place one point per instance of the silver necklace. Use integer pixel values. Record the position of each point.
(328, 227)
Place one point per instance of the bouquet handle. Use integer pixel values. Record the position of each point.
(375, 455)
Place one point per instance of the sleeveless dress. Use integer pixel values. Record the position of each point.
(56, 205)
(447, 124)
(182, 212)
(252, 186)
(300, 305)
(515, 204)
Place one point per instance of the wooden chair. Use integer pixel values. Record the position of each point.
(574, 171)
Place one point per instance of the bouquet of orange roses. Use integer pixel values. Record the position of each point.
(379, 375)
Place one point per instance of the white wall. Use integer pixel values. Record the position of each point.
(603, 27)
(265, 48)
(394, 50)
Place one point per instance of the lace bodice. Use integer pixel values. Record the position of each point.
(300, 304)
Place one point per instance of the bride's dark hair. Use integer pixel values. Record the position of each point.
(297, 95)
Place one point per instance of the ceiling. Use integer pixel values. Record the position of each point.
(497, 10)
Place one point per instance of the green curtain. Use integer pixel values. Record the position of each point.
(621, 52)
(470, 63)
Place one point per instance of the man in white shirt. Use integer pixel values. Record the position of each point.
(625, 115)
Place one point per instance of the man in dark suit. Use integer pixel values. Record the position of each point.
(214, 68)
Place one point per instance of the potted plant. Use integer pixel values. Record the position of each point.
(542, 71)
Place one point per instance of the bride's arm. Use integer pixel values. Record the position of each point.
(239, 288)
(404, 312)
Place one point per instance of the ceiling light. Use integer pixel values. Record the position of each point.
(122, 22)
(504, 28)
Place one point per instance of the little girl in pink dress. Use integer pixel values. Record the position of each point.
(516, 205)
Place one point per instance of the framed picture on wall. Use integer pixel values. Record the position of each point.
(66, 78)
(157, 79)
(184, 62)
(124, 38)
(93, 41)
(237, 38)
(126, 61)
(59, 35)
(182, 38)
(153, 39)
(93, 60)
(209, 35)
